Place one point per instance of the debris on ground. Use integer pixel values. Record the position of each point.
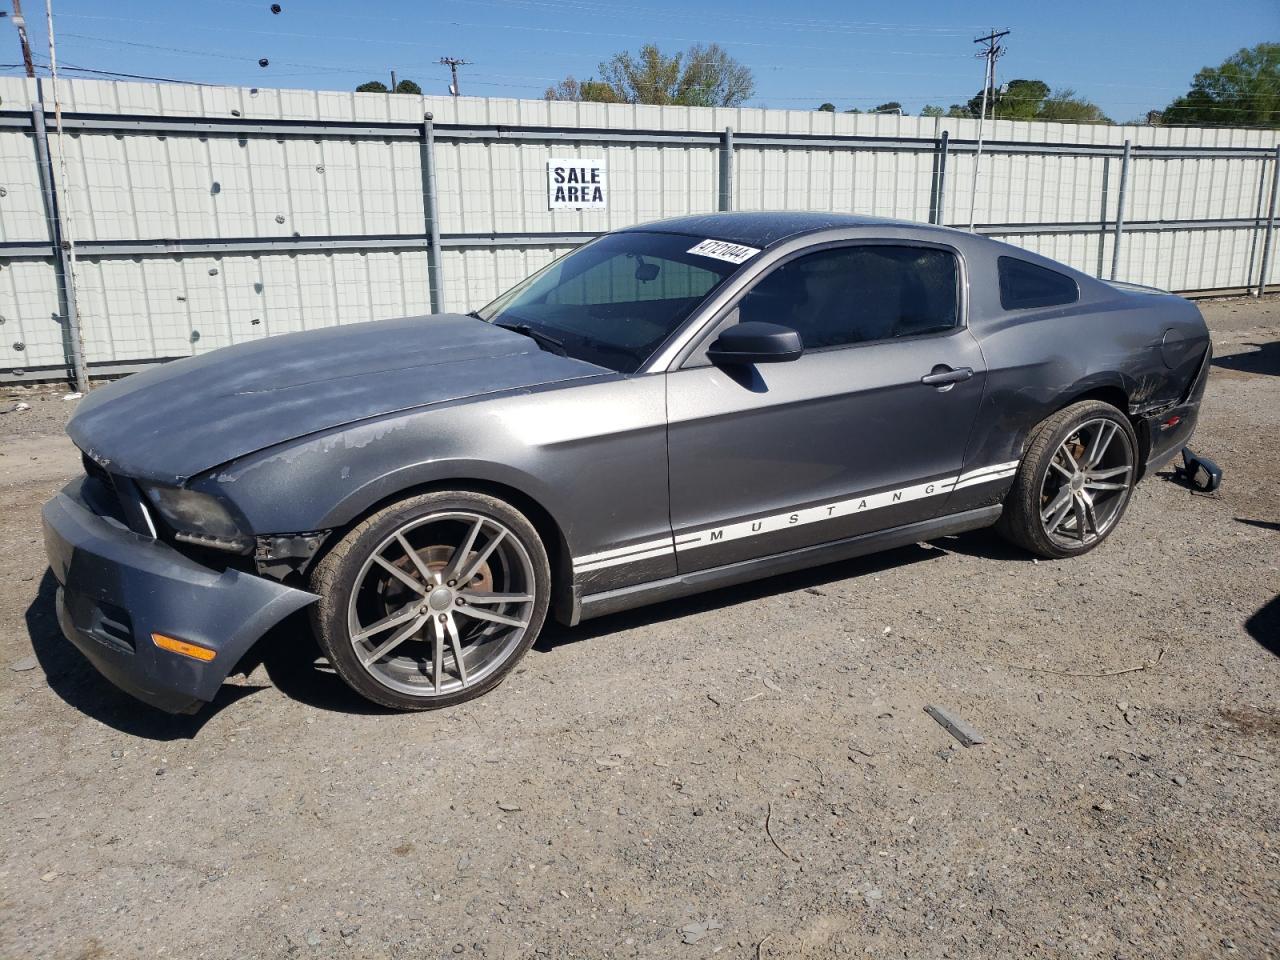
(768, 829)
(695, 932)
(967, 735)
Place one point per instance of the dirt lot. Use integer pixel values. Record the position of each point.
(747, 774)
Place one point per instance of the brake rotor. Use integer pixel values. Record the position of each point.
(437, 559)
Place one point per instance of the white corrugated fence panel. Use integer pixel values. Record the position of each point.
(140, 186)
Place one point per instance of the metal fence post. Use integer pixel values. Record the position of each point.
(62, 258)
(940, 191)
(431, 209)
(1120, 198)
(726, 170)
(1269, 237)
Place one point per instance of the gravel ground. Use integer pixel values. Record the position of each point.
(747, 774)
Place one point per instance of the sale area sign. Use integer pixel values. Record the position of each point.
(576, 185)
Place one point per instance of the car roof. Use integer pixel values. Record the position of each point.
(762, 229)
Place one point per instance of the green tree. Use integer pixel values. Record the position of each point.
(586, 91)
(1243, 91)
(827, 108)
(705, 75)
(1031, 100)
(377, 86)
(1015, 100)
(929, 110)
(958, 111)
(1064, 105)
(891, 107)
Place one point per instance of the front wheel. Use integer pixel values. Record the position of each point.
(433, 600)
(1074, 482)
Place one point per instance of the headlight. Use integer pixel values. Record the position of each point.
(198, 518)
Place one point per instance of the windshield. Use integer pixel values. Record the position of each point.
(613, 301)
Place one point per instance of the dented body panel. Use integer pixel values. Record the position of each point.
(593, 455)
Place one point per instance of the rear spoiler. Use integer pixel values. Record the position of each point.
(1124, 287)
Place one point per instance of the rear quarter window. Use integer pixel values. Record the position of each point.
(1025, 285)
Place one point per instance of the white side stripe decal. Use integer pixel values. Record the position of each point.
(612, 558)
(792, 518)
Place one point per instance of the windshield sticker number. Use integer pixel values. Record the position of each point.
(722, 250)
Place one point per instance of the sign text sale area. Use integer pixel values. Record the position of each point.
(576, 184)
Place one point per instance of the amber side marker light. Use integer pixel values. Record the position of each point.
(174, 645)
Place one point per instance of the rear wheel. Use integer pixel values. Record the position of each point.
(432, 601)
(1074, 482)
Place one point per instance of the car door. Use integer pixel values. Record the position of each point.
(864, 432)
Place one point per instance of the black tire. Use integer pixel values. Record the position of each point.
(1022, 522)
(350, 568)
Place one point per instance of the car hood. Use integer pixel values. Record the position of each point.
(183, 418)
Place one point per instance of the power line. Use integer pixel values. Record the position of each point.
(806, 97)
(523, 28)
(72, 68)
(807, 24)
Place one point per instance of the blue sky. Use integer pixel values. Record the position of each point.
(1127, 55)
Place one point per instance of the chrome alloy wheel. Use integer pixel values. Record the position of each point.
(441, 603)
(1087, 483)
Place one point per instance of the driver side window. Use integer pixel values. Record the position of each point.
(856, 294)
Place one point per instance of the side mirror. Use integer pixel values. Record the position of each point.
(755, 342)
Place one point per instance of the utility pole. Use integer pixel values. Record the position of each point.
(393, 81)
(992, 53)
(21, 24)
(453, 63)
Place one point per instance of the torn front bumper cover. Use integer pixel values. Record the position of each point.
(117, 588)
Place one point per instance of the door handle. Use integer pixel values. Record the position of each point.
(943, 375)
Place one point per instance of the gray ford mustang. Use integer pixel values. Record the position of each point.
(667, 409)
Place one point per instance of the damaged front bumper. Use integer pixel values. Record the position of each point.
(118, 588)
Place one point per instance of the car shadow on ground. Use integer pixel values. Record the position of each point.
(293, 662)
(292, 659)
(1265, 360)
(812, 580)
(1260, 524)
(288, 653)
(1264, 626)
(295, 665)
(71, 676)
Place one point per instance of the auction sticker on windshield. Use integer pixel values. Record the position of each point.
(723, 250)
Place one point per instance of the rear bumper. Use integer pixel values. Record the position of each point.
(117, 588)
(1168, 439)
(1171, 429)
